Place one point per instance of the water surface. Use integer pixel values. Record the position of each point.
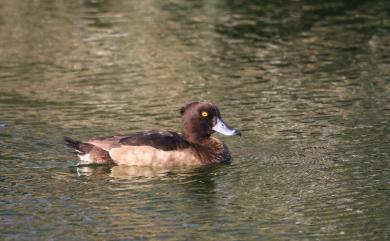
(306, 82)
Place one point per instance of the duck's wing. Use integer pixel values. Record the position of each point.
(106, 143)
(162, 140)
(153, 148)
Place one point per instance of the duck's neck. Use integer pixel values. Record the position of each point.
(210, 149)
(196, 139)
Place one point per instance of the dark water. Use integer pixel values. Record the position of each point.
(306, 81)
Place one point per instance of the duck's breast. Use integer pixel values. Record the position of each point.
(150, 156)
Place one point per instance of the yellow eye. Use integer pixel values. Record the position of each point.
(205, 114)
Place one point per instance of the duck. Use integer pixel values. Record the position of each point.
(194, 146)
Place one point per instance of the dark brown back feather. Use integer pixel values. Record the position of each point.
(163, 140)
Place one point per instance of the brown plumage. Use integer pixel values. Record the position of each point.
(194, 146)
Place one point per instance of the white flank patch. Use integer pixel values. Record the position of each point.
(85, 159)
(150, 156)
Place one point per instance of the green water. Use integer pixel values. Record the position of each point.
(307, 82)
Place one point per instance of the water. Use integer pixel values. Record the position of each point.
(306, 82)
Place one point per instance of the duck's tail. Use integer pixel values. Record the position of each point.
(78, 146)
(88, 153)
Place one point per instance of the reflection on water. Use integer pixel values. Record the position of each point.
(307, 83)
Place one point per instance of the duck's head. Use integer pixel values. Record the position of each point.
(201, 119)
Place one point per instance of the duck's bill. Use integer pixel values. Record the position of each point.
(225, 129)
